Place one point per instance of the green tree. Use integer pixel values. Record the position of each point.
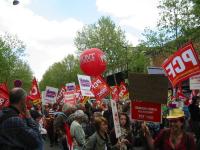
(175, 17)
(11, 64)
(61, 73)
(108, 37)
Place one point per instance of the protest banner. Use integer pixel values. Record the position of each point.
(4, 95)
(51, 94)
(116, 119)
(99, 88)
(34, 94)
(149, 88)
(60, 96)
(115, 93)
(70, 97)
(123, 92)
(85, 85)
(146, 111)
(182, 65)
(195, 82)
(70, 87)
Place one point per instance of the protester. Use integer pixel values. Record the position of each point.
(100, 139)
(173, 138)
(77, 131)
(61, 124)
(17, 132)
(125, 131)
(195, 116)
(109, 117)
(90, 128)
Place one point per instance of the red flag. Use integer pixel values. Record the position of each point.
(34, 94)
(69, 137)
(99, 88)
(60, 96)
(123, 91)
(4, 95)
(182, 65)
(115, 93)
(180, 94)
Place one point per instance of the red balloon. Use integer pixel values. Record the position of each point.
(92, 62)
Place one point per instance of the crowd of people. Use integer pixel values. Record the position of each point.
(91, 127)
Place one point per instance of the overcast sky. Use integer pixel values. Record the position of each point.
(48, 27)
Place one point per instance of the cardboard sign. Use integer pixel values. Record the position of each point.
(51, 94)
(116, 118)
(99, 88)
(195, 82)
(149, 88)
(70, 97)
(85, 85)
(182, 65)
(70, 87)
(145, 111)
(115, 93)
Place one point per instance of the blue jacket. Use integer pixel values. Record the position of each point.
(17, 133)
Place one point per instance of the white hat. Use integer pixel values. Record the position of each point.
(79, 113)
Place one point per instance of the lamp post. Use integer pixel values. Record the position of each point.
(15, 2)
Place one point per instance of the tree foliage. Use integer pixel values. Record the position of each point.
(12, 66)
(61, 73)
(108, 37)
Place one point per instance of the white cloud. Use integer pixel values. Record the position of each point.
(134, 14)
(47, 41)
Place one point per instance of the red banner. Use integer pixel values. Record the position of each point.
(182, 65)
(115, 93)
(4, 95)
(60, 96)
(34, 94)
(123, 91)
(70, 97)
(99, 88)
(146, 111)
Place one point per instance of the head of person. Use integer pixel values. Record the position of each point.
(101, 124)
(68, 109)
(36, 115)
(79, 115)
(17, 97)
(124, 120)
(176, 119)
(195, 100)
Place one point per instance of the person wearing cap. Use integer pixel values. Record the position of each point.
(173, 138)
(77, 131)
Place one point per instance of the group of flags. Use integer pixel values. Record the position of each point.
(100, 91)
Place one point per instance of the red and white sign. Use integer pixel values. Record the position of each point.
(4, 95)
(146, 111)
(99, 88)
(70, 97)
(195, 82)
(60, 96)
(182, 65)
(116, 118)
(123, 91)
(115, 93)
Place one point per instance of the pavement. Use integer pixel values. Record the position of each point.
(47, 146)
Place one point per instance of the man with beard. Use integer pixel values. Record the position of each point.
(174, 138)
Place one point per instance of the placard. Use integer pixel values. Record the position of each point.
(146, 111)
(182, 65)
(116, 119)
(149, 88)
(195, 82)
(51, 94)
(85, 85)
